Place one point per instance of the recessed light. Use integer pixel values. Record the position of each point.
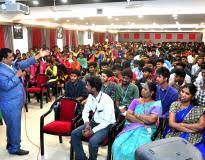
(35, 2)
(140, 16)
(117, 19)
(64, 1)
(67, 20)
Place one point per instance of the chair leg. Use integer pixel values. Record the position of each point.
(29, 98)
(26, 107)
(60, 139)
(46, 97)
(109, 154)
(42, 143)
(1, 122)
(71, 152)
(41, 101)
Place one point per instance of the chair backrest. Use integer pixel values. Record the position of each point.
(67, 109)
(41, 79)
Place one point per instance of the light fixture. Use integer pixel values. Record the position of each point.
(81, 18)
(35, 2)
(177, 23)
(175, 16)
(117, 19)
(140, 16)
(64, 1)
(67, 20)
(109, 17)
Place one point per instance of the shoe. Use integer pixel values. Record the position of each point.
(7, 146)
(21, 152)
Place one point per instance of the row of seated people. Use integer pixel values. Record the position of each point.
(154, 103)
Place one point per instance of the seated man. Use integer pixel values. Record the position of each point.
(75, 87)
(97, 128)
(126, 91)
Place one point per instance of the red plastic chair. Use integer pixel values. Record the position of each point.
(40, 88)
(63, 124)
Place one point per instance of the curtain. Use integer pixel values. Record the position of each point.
(2, 37)
(52, 38)
(101, 37)
(95, 37)
(8, 37)
(68, 38)
(74, 38)
(126, 35)
(136, 36)
(36, 37)
(168, 36)
(29, 29)
(80, 37)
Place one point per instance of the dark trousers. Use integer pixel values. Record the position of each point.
(94, 142)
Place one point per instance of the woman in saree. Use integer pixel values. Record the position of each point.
(141, 118)
(187, 120)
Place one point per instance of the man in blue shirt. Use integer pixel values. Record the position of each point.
(75, 87)
(165, 93)
(13, 96)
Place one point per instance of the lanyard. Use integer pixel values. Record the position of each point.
(125, 93)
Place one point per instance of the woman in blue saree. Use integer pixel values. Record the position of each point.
(140, 124)
(186, 120)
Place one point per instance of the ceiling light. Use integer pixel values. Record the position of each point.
(117, 19)
(67, 20)
(35, 2)
(140, 16)
(177, 23)
(56, 19)
(175, 16)
(86, 23)
(64, 1)
(81, 18)
(109, 17)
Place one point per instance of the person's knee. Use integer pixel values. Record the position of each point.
(93, 143)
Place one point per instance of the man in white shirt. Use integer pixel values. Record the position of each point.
(97, 128)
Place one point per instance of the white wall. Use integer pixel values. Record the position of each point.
(86, 40)
(21, 44)
(60, 44)
(203, 36)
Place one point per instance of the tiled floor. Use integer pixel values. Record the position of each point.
(53, 149)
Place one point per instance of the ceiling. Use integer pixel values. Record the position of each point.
(115, 16)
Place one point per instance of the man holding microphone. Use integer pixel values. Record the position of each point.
(13, 96)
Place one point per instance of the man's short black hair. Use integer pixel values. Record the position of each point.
(108, 73)
(117, 67)
(128, 73)
(4, 53)
(75, 71)
(94, 64)
(164, 72)
(180, 72)
(160, 60)
(104, 63)
(147, 69)
(95, 82)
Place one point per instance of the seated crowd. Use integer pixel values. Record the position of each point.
(144, 82)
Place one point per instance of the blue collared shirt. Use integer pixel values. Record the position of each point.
(167, 97)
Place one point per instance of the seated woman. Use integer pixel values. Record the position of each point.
(141, 117)
(187, 120)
